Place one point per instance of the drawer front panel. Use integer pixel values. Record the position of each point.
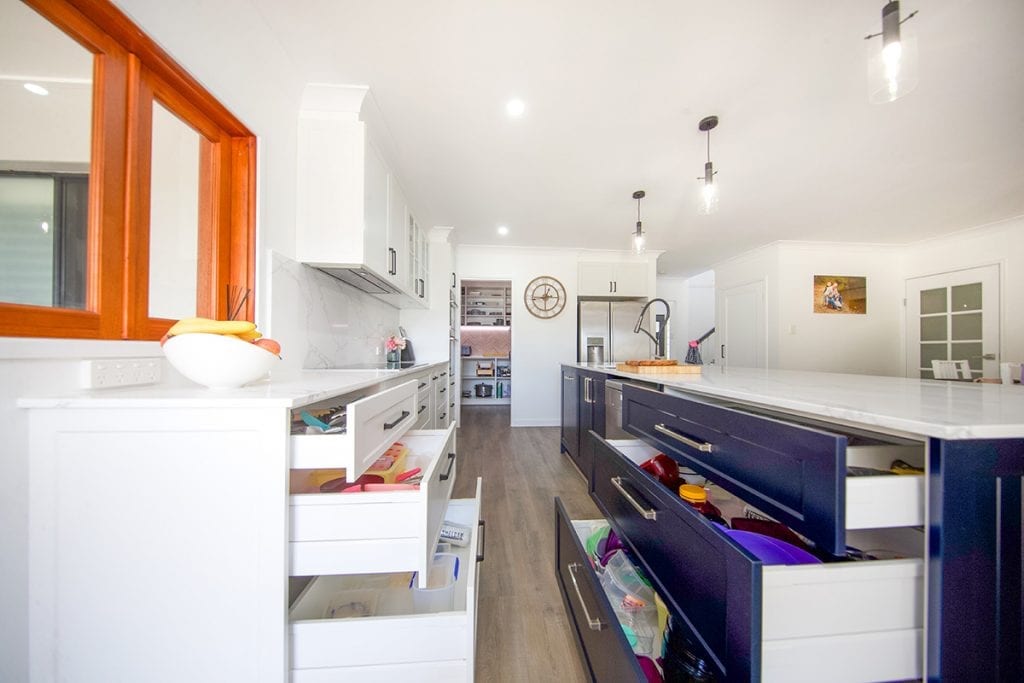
(715, 587)
(606, 654)
(374, 423)
(793, 473)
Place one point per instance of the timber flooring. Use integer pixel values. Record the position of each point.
(523, 633)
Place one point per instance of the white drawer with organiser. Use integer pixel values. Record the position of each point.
(375, 530)
(385, 635)
(373, 424)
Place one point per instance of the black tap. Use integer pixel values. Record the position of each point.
(659, 340)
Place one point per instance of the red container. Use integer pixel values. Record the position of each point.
(664, 469)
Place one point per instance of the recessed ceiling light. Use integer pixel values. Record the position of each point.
(37, 89)
(515, 108)
(502, 230)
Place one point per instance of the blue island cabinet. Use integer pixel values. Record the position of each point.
(941, 602)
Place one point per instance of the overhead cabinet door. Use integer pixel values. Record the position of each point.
(613, 279)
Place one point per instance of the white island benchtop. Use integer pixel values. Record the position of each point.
(291, 390)
(936, 408)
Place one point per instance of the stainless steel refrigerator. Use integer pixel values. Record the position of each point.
(605, 331)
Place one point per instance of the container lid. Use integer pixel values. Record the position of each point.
(692, 493)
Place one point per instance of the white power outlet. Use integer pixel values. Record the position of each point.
(120, 372)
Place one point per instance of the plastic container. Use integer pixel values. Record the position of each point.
(697, 498)
(771, 550)
(439, 595)
(390, 464)
(625, 585)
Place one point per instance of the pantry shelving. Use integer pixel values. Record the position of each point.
(486, 380)
(486, 304)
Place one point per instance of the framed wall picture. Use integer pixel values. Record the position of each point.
(840, 294)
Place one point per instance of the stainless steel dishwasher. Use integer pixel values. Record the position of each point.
(613, 407)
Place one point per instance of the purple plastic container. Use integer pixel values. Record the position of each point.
(771, 550)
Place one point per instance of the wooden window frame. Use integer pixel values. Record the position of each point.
(129, 72)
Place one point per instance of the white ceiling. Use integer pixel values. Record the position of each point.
(614, 92)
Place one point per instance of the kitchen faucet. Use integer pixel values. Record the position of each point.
(659, 332)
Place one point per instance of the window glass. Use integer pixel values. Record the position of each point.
(933, 301)
(174, 217)
(45, 141)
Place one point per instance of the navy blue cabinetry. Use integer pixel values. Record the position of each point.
(570, 413)
(582, 411)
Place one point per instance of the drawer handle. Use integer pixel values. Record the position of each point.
(568, 378)
(451, 464)
(422, 408)
(594, 624)
(442, 390)
(702, 447)
(483, 542)
(648, 513)
(392, 425)
(422, 384)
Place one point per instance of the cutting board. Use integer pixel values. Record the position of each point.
(659, 369)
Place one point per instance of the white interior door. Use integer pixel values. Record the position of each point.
(741, 326)
(954, 316)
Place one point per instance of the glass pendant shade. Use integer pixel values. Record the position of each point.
(892, 58)
(639, 241)
(708, 192)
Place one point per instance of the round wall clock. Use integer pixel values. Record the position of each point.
(544, 297)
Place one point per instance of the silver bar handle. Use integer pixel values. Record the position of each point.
(647, 513)
(569, 378)
(703, 447)
(594, 624)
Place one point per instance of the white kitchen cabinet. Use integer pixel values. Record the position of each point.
(352, 216)
(613, 279)
(152, 507)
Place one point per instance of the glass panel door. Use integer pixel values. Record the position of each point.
(954, 317)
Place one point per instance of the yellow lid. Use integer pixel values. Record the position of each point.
(692, 493)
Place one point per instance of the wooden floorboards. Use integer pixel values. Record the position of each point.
(522, 630)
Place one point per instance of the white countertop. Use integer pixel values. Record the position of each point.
(946, 410)
(284, 390)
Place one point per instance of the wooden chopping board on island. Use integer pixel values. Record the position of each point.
(657, 367)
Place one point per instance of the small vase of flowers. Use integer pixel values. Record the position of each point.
(394, 345)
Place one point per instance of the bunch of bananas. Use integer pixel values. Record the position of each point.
(240, 329)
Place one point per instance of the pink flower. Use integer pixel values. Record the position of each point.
(394, 343)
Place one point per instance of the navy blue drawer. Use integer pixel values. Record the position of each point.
(606, 653)
(715, 595)
(794, 473)
(759, 622)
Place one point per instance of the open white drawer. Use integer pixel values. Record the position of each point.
(367, 532)
(374, 423)
(395, 643)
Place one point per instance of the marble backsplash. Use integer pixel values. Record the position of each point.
(328, 323)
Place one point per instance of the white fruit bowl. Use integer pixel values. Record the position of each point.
(217, 361)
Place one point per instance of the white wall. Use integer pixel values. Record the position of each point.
(693, 312)
(861, 344)
(798, 339)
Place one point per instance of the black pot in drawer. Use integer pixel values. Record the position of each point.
(758, 622)
(606, 653)
(794, 473)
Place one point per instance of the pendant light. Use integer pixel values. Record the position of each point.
(892, 66)
(709, 190)
(639, 240)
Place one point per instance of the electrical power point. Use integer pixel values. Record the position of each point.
(792, 329)
(120, 372)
